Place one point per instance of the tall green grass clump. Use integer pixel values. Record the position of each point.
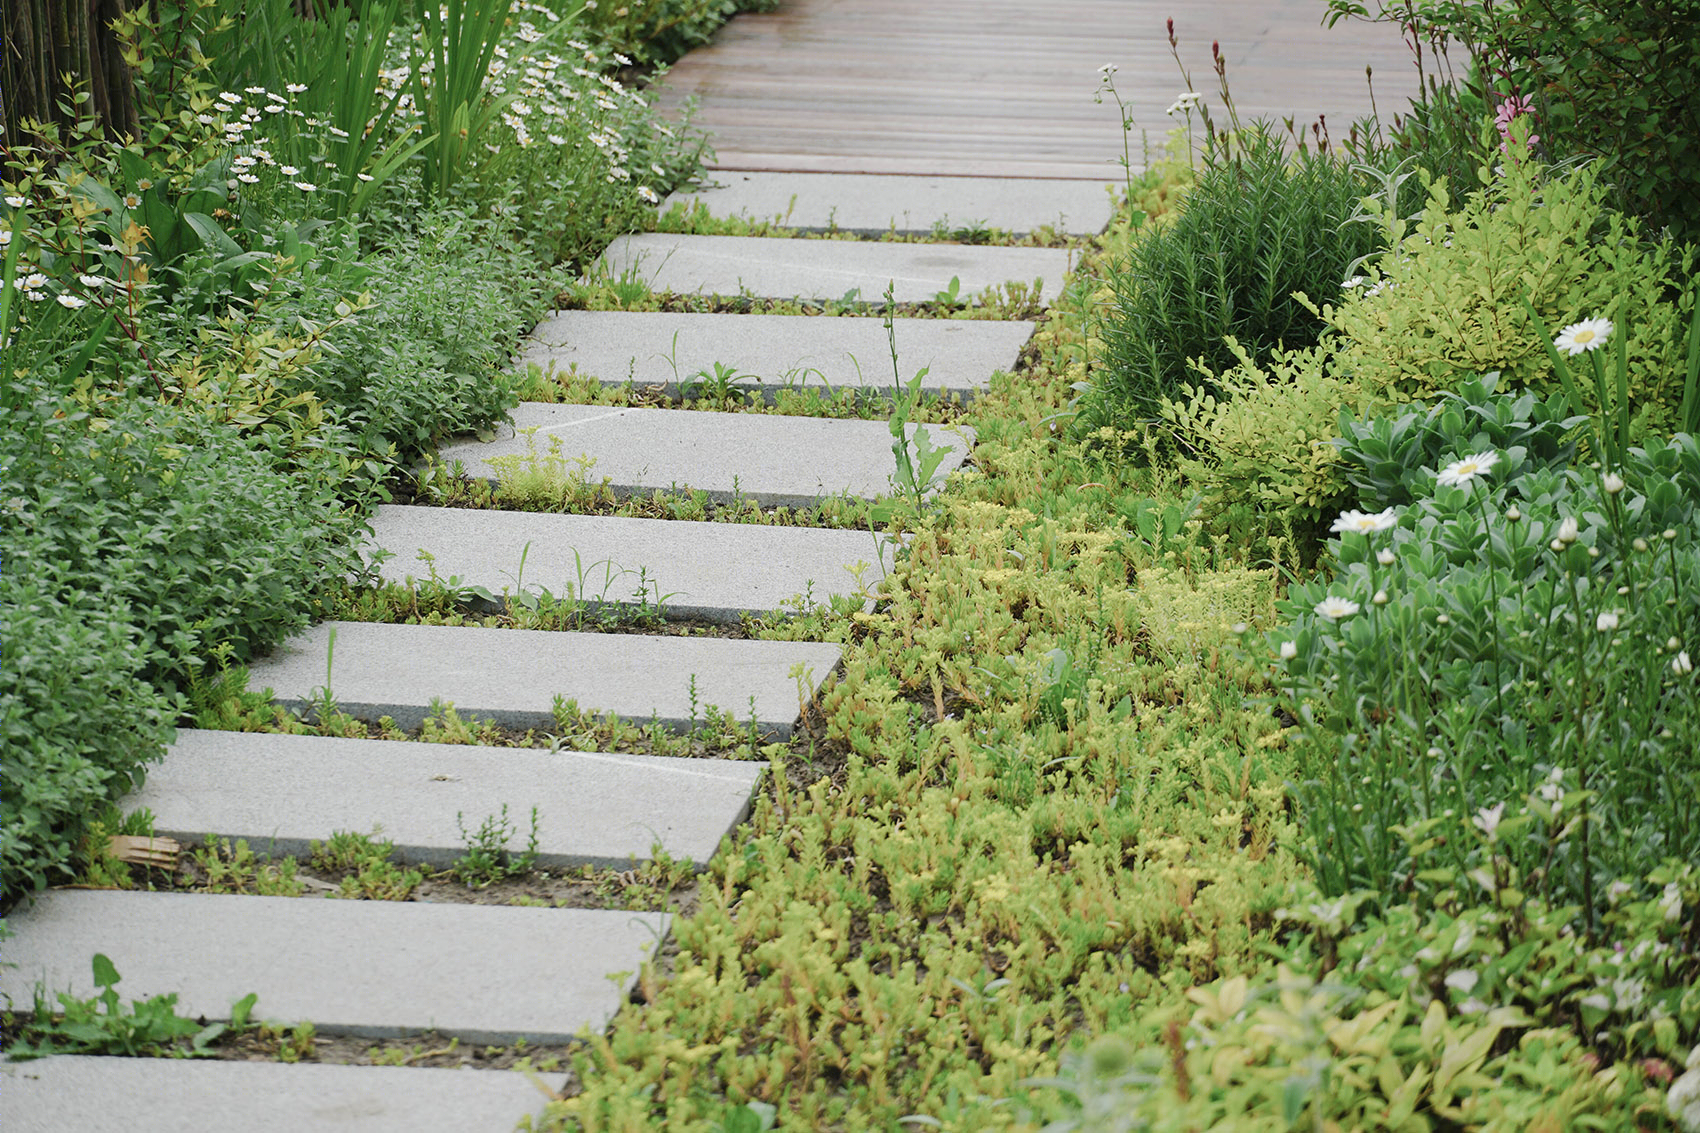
(1256, 226)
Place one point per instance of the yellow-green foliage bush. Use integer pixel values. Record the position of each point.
(1265, 446)
(1447, 303)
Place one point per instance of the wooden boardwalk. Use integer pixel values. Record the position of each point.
(1005, 87)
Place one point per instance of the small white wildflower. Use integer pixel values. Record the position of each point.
(35, 281)
(1487, 819)
(1513, 514)
(15, 201)
(1611, 483)
(1385, 556)
(5, 237)
(649, 194)
(227, 96)
(306, 186)
(1461, 472)
(364, 176)
(1569, 530)
(1589, 334)
(92, 281)
(1681, 665)
(1185, 104)
(1598, 1001)
(1380, 598)
(288, 170)
(247, 178)
(71, 301)
(1352, 284)
(1364, 523)
(255, 90)
(295, 88)
(244, 161)
(1289, 650)
(1606, 622)
(1335, 607)
(1107, 70)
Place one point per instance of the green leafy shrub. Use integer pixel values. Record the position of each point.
(1521, 638)
(78, 717)
(427, 353)
(1446, 303)
(662, 30)
(1258, 439)
(1255, 227)
(1605, 80)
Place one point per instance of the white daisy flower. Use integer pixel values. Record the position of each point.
(1363, 523)
(306, 186)
(1185, 104)
(1589, 334)
(649, 194)
(1461, 472)
(1335, 607)
(71, 301)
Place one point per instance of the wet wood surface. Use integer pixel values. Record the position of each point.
(1006, 87)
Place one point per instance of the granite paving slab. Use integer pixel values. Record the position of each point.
(283, 792)
(713, 571)
(513, 676)
(774, 352)
(377, 969)
(779, 268)
(871, 204)
(774, 460)
(129, 1095)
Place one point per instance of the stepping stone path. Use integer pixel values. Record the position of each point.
(713, 571)
(773, 352)
(283, 793)
(775, 268)
(874, 204)
(513, 676)
(131, 1095)
(775, 461)
(493, 973)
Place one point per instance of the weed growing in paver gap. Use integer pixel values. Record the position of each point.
(294, 1043)
(917, 460)
(365, 861)
(234, 868)
(102, 1025)
(487, 858)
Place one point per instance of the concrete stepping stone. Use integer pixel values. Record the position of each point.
(872, 204)
(778, 268)
(594, 808)
(774, 352)
(125, 1095)
(514, 675)
(713, 571)
(774, 460)
(376, 969)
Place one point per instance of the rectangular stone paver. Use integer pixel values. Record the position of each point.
(778, 268)
(167, 1095)
(282, 793)
(774, 460)
(871, 204)
(772, 352)
(713, 571)
(482, 973)
(514, 675)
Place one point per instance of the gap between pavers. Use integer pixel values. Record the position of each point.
(778, 268)
(714, 571)
(372, 969)
(173, 1095)
(873, 204)
(773, 460)
(775, 352)
(513, 676)
(283, 792)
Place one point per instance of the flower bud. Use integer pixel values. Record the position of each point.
(1612, 483)
(1384, 557)
(1640, 544)
(1289, 650)
(1569, 530)
(1606, 622)
(1513, 514)
(1380, 598)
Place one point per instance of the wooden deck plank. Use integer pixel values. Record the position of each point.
(1005, 87)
